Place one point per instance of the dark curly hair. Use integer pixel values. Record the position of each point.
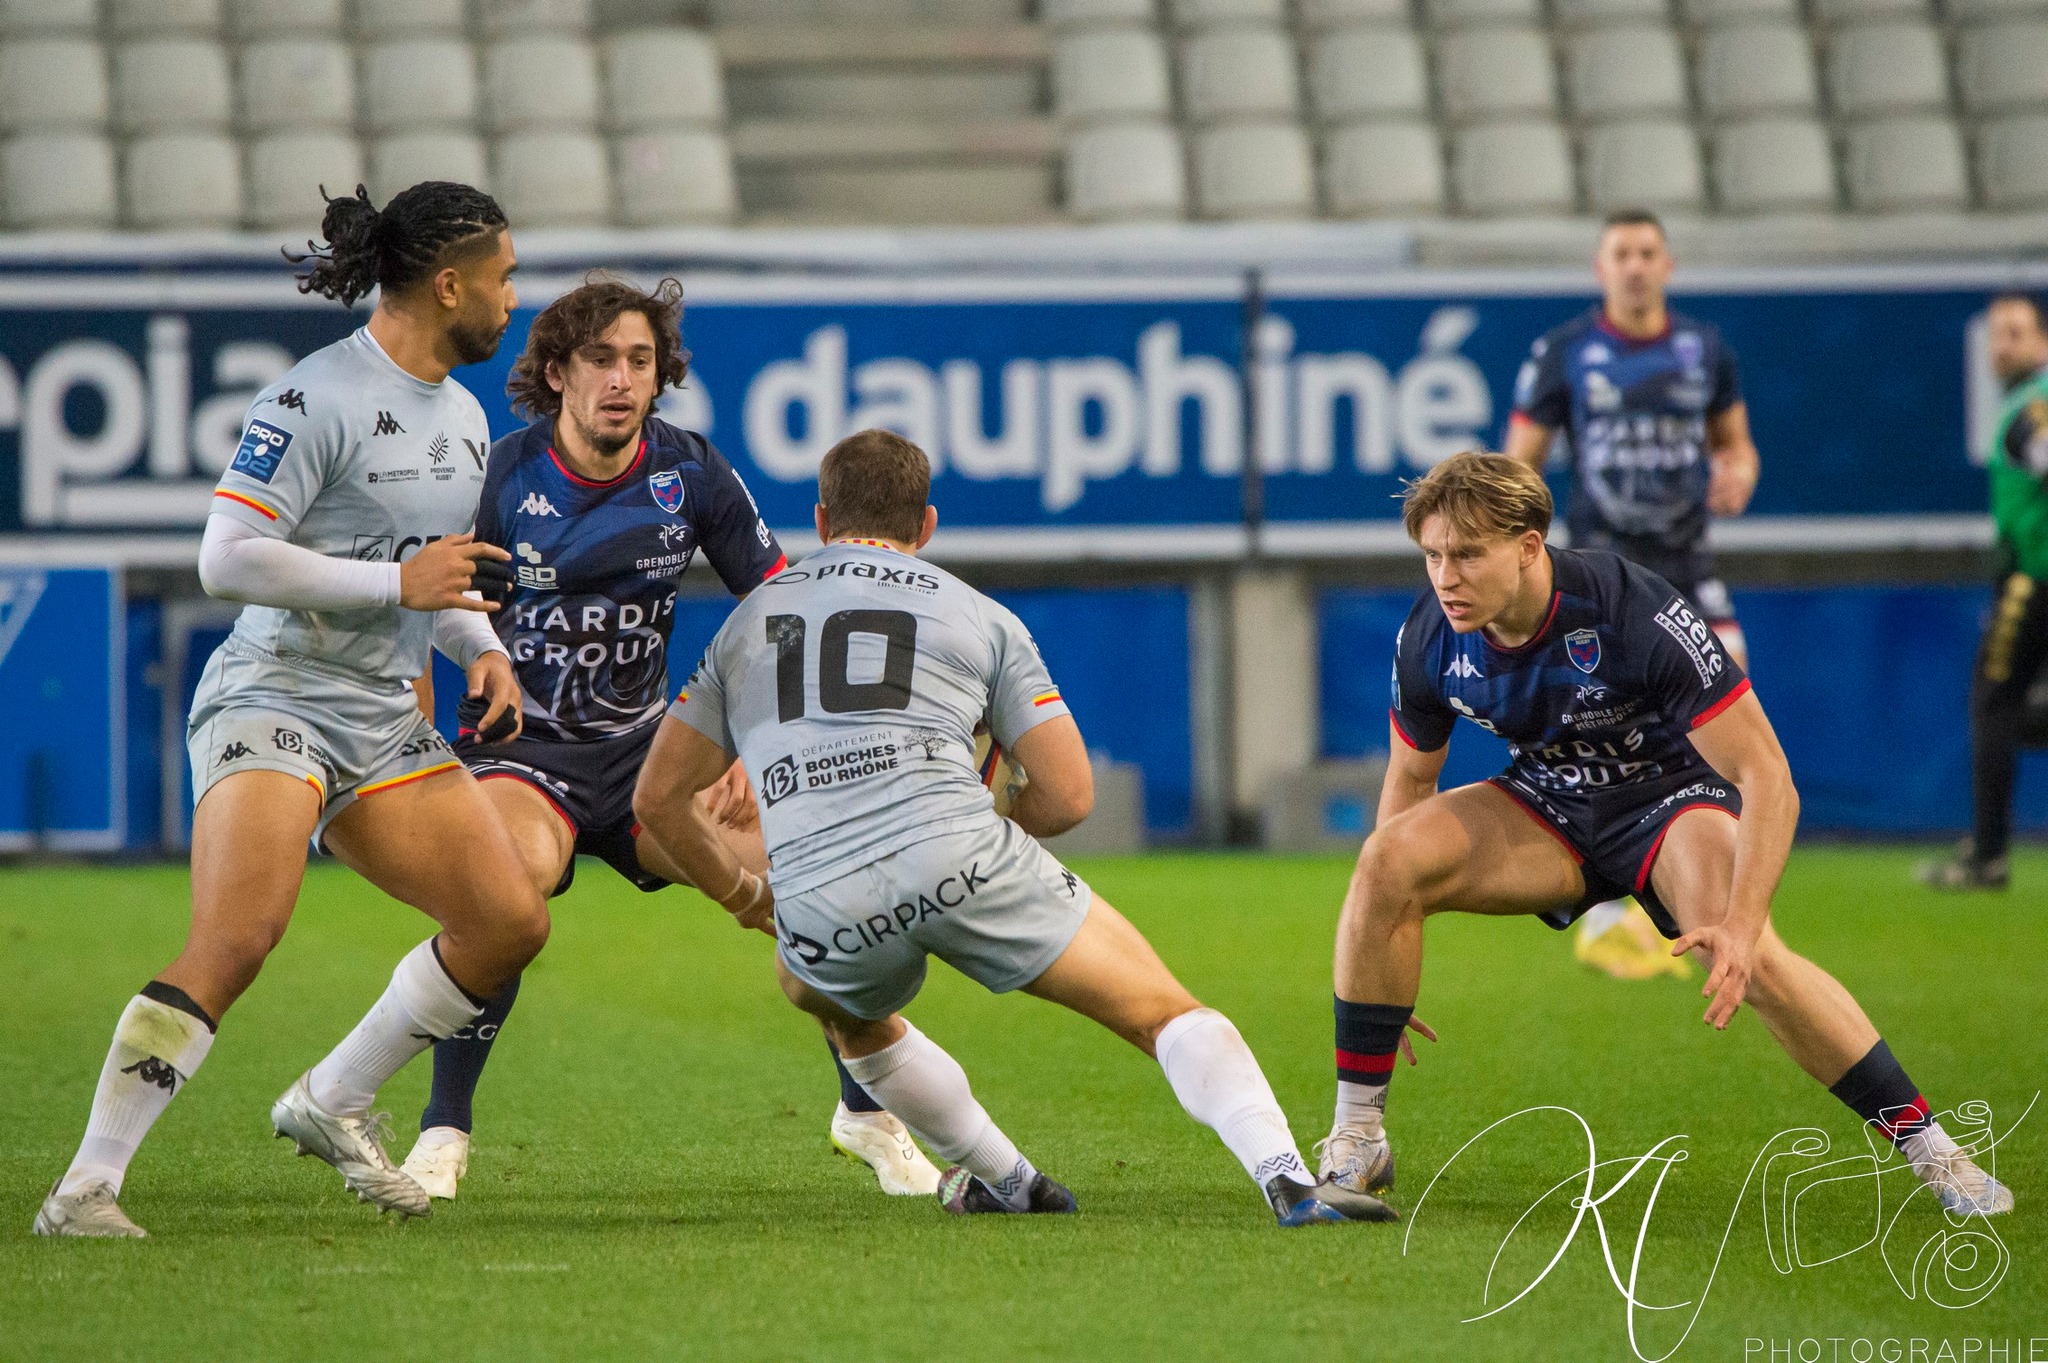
(396, 246)
(581, 317)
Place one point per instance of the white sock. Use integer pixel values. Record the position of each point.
(1362, 1105)
(156, 1049)
(1598, 919)
(419, 1007)
(928, 1091)
(1219, 1082)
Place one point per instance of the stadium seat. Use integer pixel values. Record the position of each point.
(1855, 11)
(1367, 70)
(1320, 14)
(1071, 13)
(146, 18)
(1705, 13)
(1204, 13)
(1239, 71)
(1110, 73)
(181, 180)
(2004, 66)
(1126, 170)
(1886, 67)
(1487, 72)
(667, 178)
(1755, 68)
(52, 83)
(287, 170)
(57, 180)
(1254, 169)
(19, 17)
(418, 83)
(1906, 163)
(1625, 70)
(296, 83)
(166, 83)
(517, 18)
(1651, 162)
(1970, 10)
(1382, 168)
(2013, 155)
(248, 19)
(378, 20)
(408, 158)
(1464, 13)
(1579, 13)
(552, 179)
(548, 81)
(662, 78)
(1519, 167)
(1773, 165)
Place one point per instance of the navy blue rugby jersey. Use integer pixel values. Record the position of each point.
(1634, 414)
(597, 565)
(1603, 695)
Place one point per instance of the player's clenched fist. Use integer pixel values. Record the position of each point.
(436, 577)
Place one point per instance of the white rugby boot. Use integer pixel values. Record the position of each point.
(883, 1144)
(439, 1159)
(353, 1145)
(1955, 1178)
(91, 1211)
(1357, 1157)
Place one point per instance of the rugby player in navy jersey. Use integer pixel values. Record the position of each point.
(1654, 425)
(1641, 762)
(602, 506)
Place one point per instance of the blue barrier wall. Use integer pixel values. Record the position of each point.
(1866, 686)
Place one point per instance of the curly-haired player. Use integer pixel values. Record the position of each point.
(603, 506)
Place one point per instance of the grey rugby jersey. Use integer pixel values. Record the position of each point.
(350, 456)
(851, 686)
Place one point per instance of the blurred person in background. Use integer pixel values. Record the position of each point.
(1649, 402)
(2015, 641)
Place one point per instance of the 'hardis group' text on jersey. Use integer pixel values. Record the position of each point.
(596, 568)
(350, 456)
(1634, 415)
(1604, 695)
(851, 686)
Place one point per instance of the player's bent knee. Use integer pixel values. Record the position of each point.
(1395, 870)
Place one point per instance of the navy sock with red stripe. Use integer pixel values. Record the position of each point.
(1877, 1090)
(1368, 1035)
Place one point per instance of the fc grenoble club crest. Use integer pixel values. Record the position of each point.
(667, 487)
(1582, 646)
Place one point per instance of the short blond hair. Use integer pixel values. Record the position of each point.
(1482, 496)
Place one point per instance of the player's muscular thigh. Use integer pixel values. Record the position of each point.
(1695, 868)
(1471, 849)
(539, 835)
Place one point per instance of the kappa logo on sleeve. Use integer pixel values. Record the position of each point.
(261, 451)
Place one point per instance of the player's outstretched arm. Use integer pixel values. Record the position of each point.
(680, 763)
(1061, 789)
(1740, 744)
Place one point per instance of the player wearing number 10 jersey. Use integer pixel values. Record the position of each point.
(852, 687)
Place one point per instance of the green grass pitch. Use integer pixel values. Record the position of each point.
(652, 1179)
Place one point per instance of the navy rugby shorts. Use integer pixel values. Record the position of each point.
(1615, 832)
(589, 782)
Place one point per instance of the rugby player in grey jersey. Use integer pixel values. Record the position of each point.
(342, 525)
(851, 687)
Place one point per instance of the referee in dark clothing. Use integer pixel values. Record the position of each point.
(2015, 643)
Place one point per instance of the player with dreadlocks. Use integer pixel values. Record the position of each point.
(343, 526)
